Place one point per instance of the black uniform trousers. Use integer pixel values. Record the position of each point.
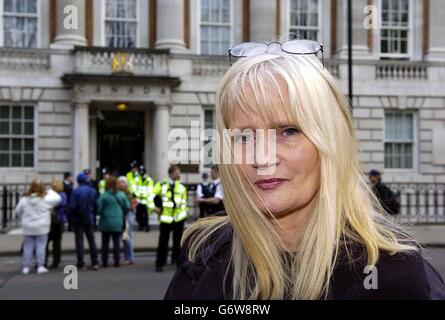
(142, 217)
(164, 236)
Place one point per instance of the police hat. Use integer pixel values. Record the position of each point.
(374, 173)
(134, 164)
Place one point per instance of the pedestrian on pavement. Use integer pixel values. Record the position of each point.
(112, 207)
(68, 184)
(127, 236)
(34, 210)
(301, 222)
(93, 184)
(386, 197)
(172, 212)
(58, 220)
(82, 214)
(90, 181)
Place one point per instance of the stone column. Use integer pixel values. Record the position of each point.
(360, 49)
(161, 128)
(148, 144)
(93, 148)
(262, 20)
(436, 48)
(70, 24)
(81, 154)
(170, 25)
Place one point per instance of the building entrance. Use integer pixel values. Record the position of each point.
(120, 138)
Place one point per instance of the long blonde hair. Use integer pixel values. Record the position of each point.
(345, 208)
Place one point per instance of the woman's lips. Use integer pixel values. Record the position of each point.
(267, 184)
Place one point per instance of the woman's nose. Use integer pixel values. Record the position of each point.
(265, 152)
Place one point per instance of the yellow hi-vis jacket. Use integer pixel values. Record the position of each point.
(133, 182)
(101, 186)
(144, 193)
(170, 213)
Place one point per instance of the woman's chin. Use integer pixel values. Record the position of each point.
(275, 209)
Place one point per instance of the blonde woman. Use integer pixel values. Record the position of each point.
(301, 223)
(34, 210)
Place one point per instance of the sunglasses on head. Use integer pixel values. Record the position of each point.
(296, 46)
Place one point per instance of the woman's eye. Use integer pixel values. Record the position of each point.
(243, 138)
(290, 132)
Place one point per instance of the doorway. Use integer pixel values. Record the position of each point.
(120, 140)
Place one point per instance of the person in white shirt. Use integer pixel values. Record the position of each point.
(204, 190)
(34, 210)
(215, 203)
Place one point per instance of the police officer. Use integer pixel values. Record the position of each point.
(145, 196)
(172, 212)
(215, 203)
(103, 182)
(134, 179)
(204, 190)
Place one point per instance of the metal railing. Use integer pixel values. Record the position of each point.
(10, 196)
(419, 202)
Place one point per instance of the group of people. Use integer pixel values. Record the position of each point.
(112, 206)
(44, 213)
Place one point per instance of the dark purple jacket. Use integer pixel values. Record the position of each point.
(400, 276)
(83, 203)
(60, 210)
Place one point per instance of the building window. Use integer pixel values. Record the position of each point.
(208, 124)
(394, 28)
(16, 136)
(304, 19)
(20, 20)
(121, 23)
(399, 140)
(215, 28)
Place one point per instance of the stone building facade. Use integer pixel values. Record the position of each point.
(66, 66)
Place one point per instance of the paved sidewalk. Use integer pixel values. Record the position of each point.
(427, 235)
(10, 242)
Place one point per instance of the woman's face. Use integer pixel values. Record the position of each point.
(287, 181)
(121, 185)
